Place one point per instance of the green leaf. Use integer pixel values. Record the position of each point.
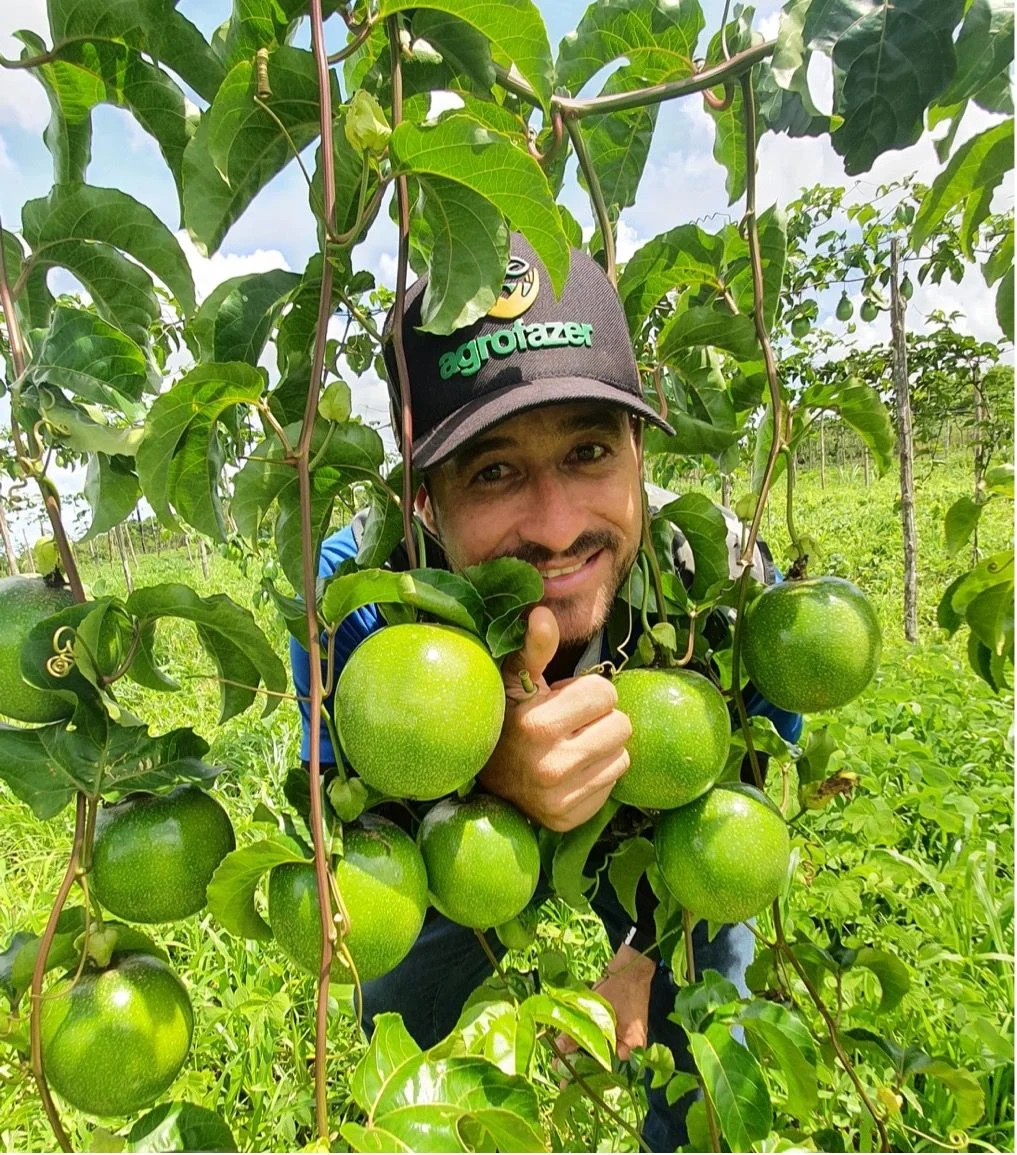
(969, 181)
(459, 148)
(75, 426)
(627, 866)
(111, 489)
(1005, 304)
(893, 976)
(729, 122)
(890, 62)
(984, 48)
(150, 26)
(703, 325)
(736, 1085)
(570, 856)
(464, 47)
(180, 1127)
(17, 960)
(230, 635)
(390, 1048)
(766, 1030)
(705, 529)
(968, 1095)
(992, 571)
(685, 257)
(362, 1138)
(234, 321)
(514, 27)
(76, 214)
(692, 436)
(467, 256)
(657, 39)
(583, 1015)
(383, 529)
(350, 592)
(198, 399)
(231, 892)
(505, 584)
(773, 252)
(990, 616)
(696, 1002)
(619, 143)
(961, 519)
(861, 407)
(84, 74)
(999, 479)
(818, 752)
(94, 360)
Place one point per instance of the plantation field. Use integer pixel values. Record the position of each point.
(918, 862)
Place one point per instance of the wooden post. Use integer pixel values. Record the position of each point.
(865, 465)
(905, 449)
(203, 553)
(981, 457)
(141, 528)
(125, 533)
(29, 556)
(725, 489)
(12, 553)
(187, 542)
(122, 549)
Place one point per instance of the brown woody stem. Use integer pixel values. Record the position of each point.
(596, 196)
(399, 308)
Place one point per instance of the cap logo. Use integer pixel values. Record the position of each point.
(519, 290)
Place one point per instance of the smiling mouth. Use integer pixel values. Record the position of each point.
(550, 573)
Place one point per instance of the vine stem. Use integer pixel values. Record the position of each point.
(596, 196)
(35, 1024)
(321, 870)
(399, 308)
(831, 1026)
(690, 966)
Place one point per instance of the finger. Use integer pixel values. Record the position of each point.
(576, 704)
(566, 1044)
(590, 790)
(603, 736)
(539, 646)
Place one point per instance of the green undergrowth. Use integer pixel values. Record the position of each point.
(916, 862)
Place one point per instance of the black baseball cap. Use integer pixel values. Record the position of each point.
(532, 349)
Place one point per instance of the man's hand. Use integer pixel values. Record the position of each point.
(562, 747)
(626, 986)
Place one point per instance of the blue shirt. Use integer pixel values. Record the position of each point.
(340, 547)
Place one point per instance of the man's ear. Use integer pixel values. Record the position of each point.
(424, 509)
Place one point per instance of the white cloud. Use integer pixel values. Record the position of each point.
(211, 271)
(22, 100)
(6, 164)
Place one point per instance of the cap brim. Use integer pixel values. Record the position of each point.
(493, 408)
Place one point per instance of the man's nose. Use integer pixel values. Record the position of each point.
(557, 518)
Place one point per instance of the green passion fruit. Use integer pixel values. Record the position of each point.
(383, 884)
(394, 700)
(24, 602)
(812, 644)
(154, 854)
(113, 1040)
(681, 734)
(482, 859)
(724, 856)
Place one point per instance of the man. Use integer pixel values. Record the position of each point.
(528, 430)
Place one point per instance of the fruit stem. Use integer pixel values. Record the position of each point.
(690, 967)
(831, 1026)
(491, 956)
(35, 1024)
(600, 208)
(608, 1110)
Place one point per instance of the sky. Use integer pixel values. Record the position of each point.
(682, 182)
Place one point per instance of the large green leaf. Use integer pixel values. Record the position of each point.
(705, 529)
(180, 1127)
(736, 1085)
(243, 656)
(93, 360)
(241, 319)
(150, 26)
(84, 74)
(232, 889)
(81, 428)
(627, 866)
(467, 256)
(984, 48)
(514, 27)
(111, 490)
(772, 226)
(76, 214)
(970, 180)
(239, 145)
(465, 47)
(583, 1015)
(682, 258)
(890, 62)
(656, 37)
(460, 149)
(568, 877)
(729, 121)
(619, 143)
(198, 399)
(702, 325)
(960, 521)
(861, 407)
(772, 1030)
(352, 591)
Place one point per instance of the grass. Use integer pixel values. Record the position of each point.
(918, 862)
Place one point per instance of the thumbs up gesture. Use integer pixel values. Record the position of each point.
(562, 746)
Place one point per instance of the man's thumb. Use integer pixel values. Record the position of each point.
(539, 647)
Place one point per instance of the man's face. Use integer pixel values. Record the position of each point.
(558, 487)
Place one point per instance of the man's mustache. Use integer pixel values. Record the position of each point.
(585, 544)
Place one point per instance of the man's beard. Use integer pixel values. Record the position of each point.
(580, 633)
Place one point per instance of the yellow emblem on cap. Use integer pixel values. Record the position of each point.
(518, 290)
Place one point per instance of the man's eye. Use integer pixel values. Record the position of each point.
(490, 473)
(589, 452)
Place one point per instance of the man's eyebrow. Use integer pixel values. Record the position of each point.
(462, 461)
